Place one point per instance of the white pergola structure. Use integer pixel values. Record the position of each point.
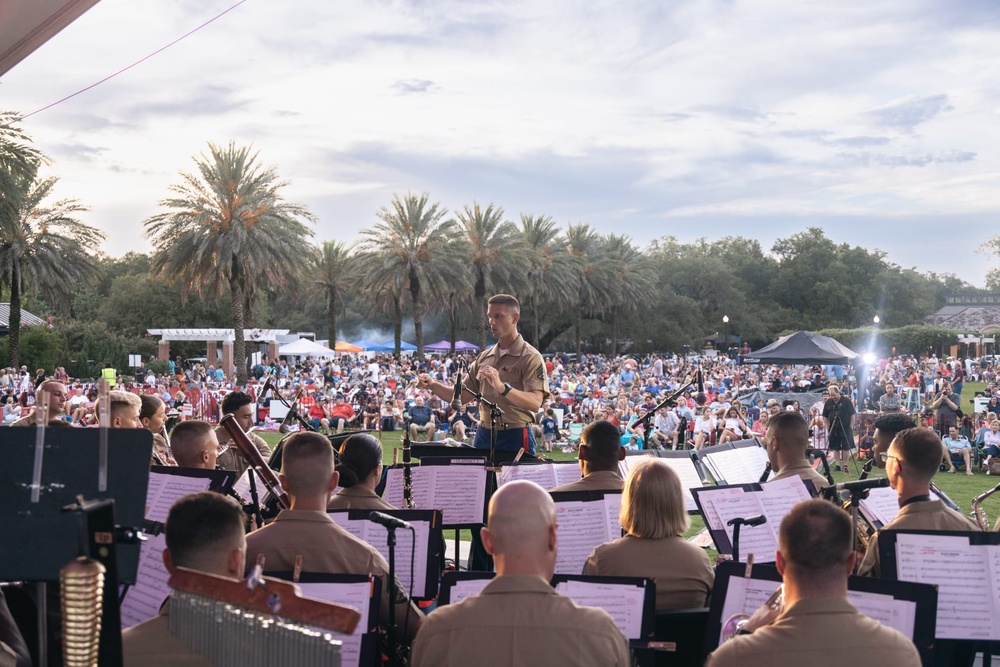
(212, 338)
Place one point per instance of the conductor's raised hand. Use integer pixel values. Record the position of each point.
(424, 381)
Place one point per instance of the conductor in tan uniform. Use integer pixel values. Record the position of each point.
(599, 453)
(307, 531)
(519, 619)
(817, 627)
(204, 532)
(654, 518)
(786, 440)
(913, 458)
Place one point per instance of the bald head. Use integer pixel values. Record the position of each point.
(520, 532)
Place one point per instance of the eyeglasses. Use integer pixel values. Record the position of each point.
(886, 456)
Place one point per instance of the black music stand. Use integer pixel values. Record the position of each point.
(71, 517)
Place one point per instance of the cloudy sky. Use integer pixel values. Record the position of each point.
(873, 120)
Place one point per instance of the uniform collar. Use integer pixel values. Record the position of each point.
(825, 605)
(311, 516)
(518, 583)
(922, 506)
(515, 350)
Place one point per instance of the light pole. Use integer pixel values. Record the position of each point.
(725, 320)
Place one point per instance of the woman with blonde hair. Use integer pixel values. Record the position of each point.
(654, 519)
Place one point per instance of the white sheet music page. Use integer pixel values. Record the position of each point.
(744, 596)
(358, 529)
(762, 540)
(143, 600)
(582, 527)
(242, 487)
(730, 465)
(377, 536)
(467, 588)
(623, 602)
(352, 595)
(881, 504)
(887, 610)
(460, 493)
(613, 508)
(690, 479)
(960, 571)
(164, 490)
(709, 500)
(566, 473)
(778, 498)
(754, 460)
(421, 483)
(543, 474)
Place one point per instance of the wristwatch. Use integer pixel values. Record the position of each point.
(506, 389)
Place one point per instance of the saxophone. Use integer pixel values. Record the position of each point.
(980, 513)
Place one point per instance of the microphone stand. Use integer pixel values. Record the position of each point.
(390, 540)
(645, 419)
(292, 414)
(495, 414)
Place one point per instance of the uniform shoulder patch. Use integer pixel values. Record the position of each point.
(540, 372)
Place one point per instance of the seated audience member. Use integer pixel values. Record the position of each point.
(360, 470)
(308, 477)
(786, 441)
(599, 453)
(421, 419)
(240, 406)
(654, 519)
(341, 414)
(959, 450)
(194, 444)
(462, 422)
(991, 443)
(911, 462)
(817, 625)
(519, 619)
(204, 532)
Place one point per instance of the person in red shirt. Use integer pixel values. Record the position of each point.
(318, 414)
(341, 414)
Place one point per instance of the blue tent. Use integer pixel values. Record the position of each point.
(390, 346)
(365, 344)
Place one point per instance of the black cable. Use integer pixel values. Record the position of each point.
(409, 594)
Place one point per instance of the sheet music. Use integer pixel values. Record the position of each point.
(778, 498)
(467, 588)
(730, 466)
(761, 541)
(960, 571)
(353, 595)
(624, 602)
(164, 490)
(242, 487)
(377, 536)
(887, 610)
(882, 504)
(544, 474)
(458, 491)
(143, 600)
(613, 508)
(584, 525)
(744, 596)
(754, 460)
(688, 474)
(567, 473)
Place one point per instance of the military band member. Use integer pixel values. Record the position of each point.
(599, 453)
(786, 441)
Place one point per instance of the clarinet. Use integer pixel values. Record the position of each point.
(867, 469)
(407, 474)
(767, 473)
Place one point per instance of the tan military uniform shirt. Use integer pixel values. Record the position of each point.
(921, 515)
(519, 621)
(602, 480)
(819, 632)
(150, 644)
(522, 366)
(358, 498)
(681, 571)
(805, 471)
(232, 459)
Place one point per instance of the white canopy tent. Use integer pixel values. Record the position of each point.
(304, 347)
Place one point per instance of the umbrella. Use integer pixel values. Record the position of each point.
(344, 346)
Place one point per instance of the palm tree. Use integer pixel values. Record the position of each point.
(413, 241)
(591, 291)
(492, 250)
(18, 161)
(548, 268)
(44, 249)
(228, 227)
(632, 280)
(332, 276)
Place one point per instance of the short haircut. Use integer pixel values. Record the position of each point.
(505, 300)
(360, 454)
(121, 400)
(307, 462)
(603, 442)
(921, 451)
(150, 405)
(235, 400)
(790, 428)
(653, 501)
(188, 440)
(814, 537)
(888, 425)
(202, 528)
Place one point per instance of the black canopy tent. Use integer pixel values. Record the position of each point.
(803, 347)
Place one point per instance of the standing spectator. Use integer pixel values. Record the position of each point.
(946, 409)
(839, 414)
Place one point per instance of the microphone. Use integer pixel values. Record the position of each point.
(700, 398)
(456, 399)
(862, 485)
(292, 413)
(747, 521)
(263, 390)
(388, 521)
